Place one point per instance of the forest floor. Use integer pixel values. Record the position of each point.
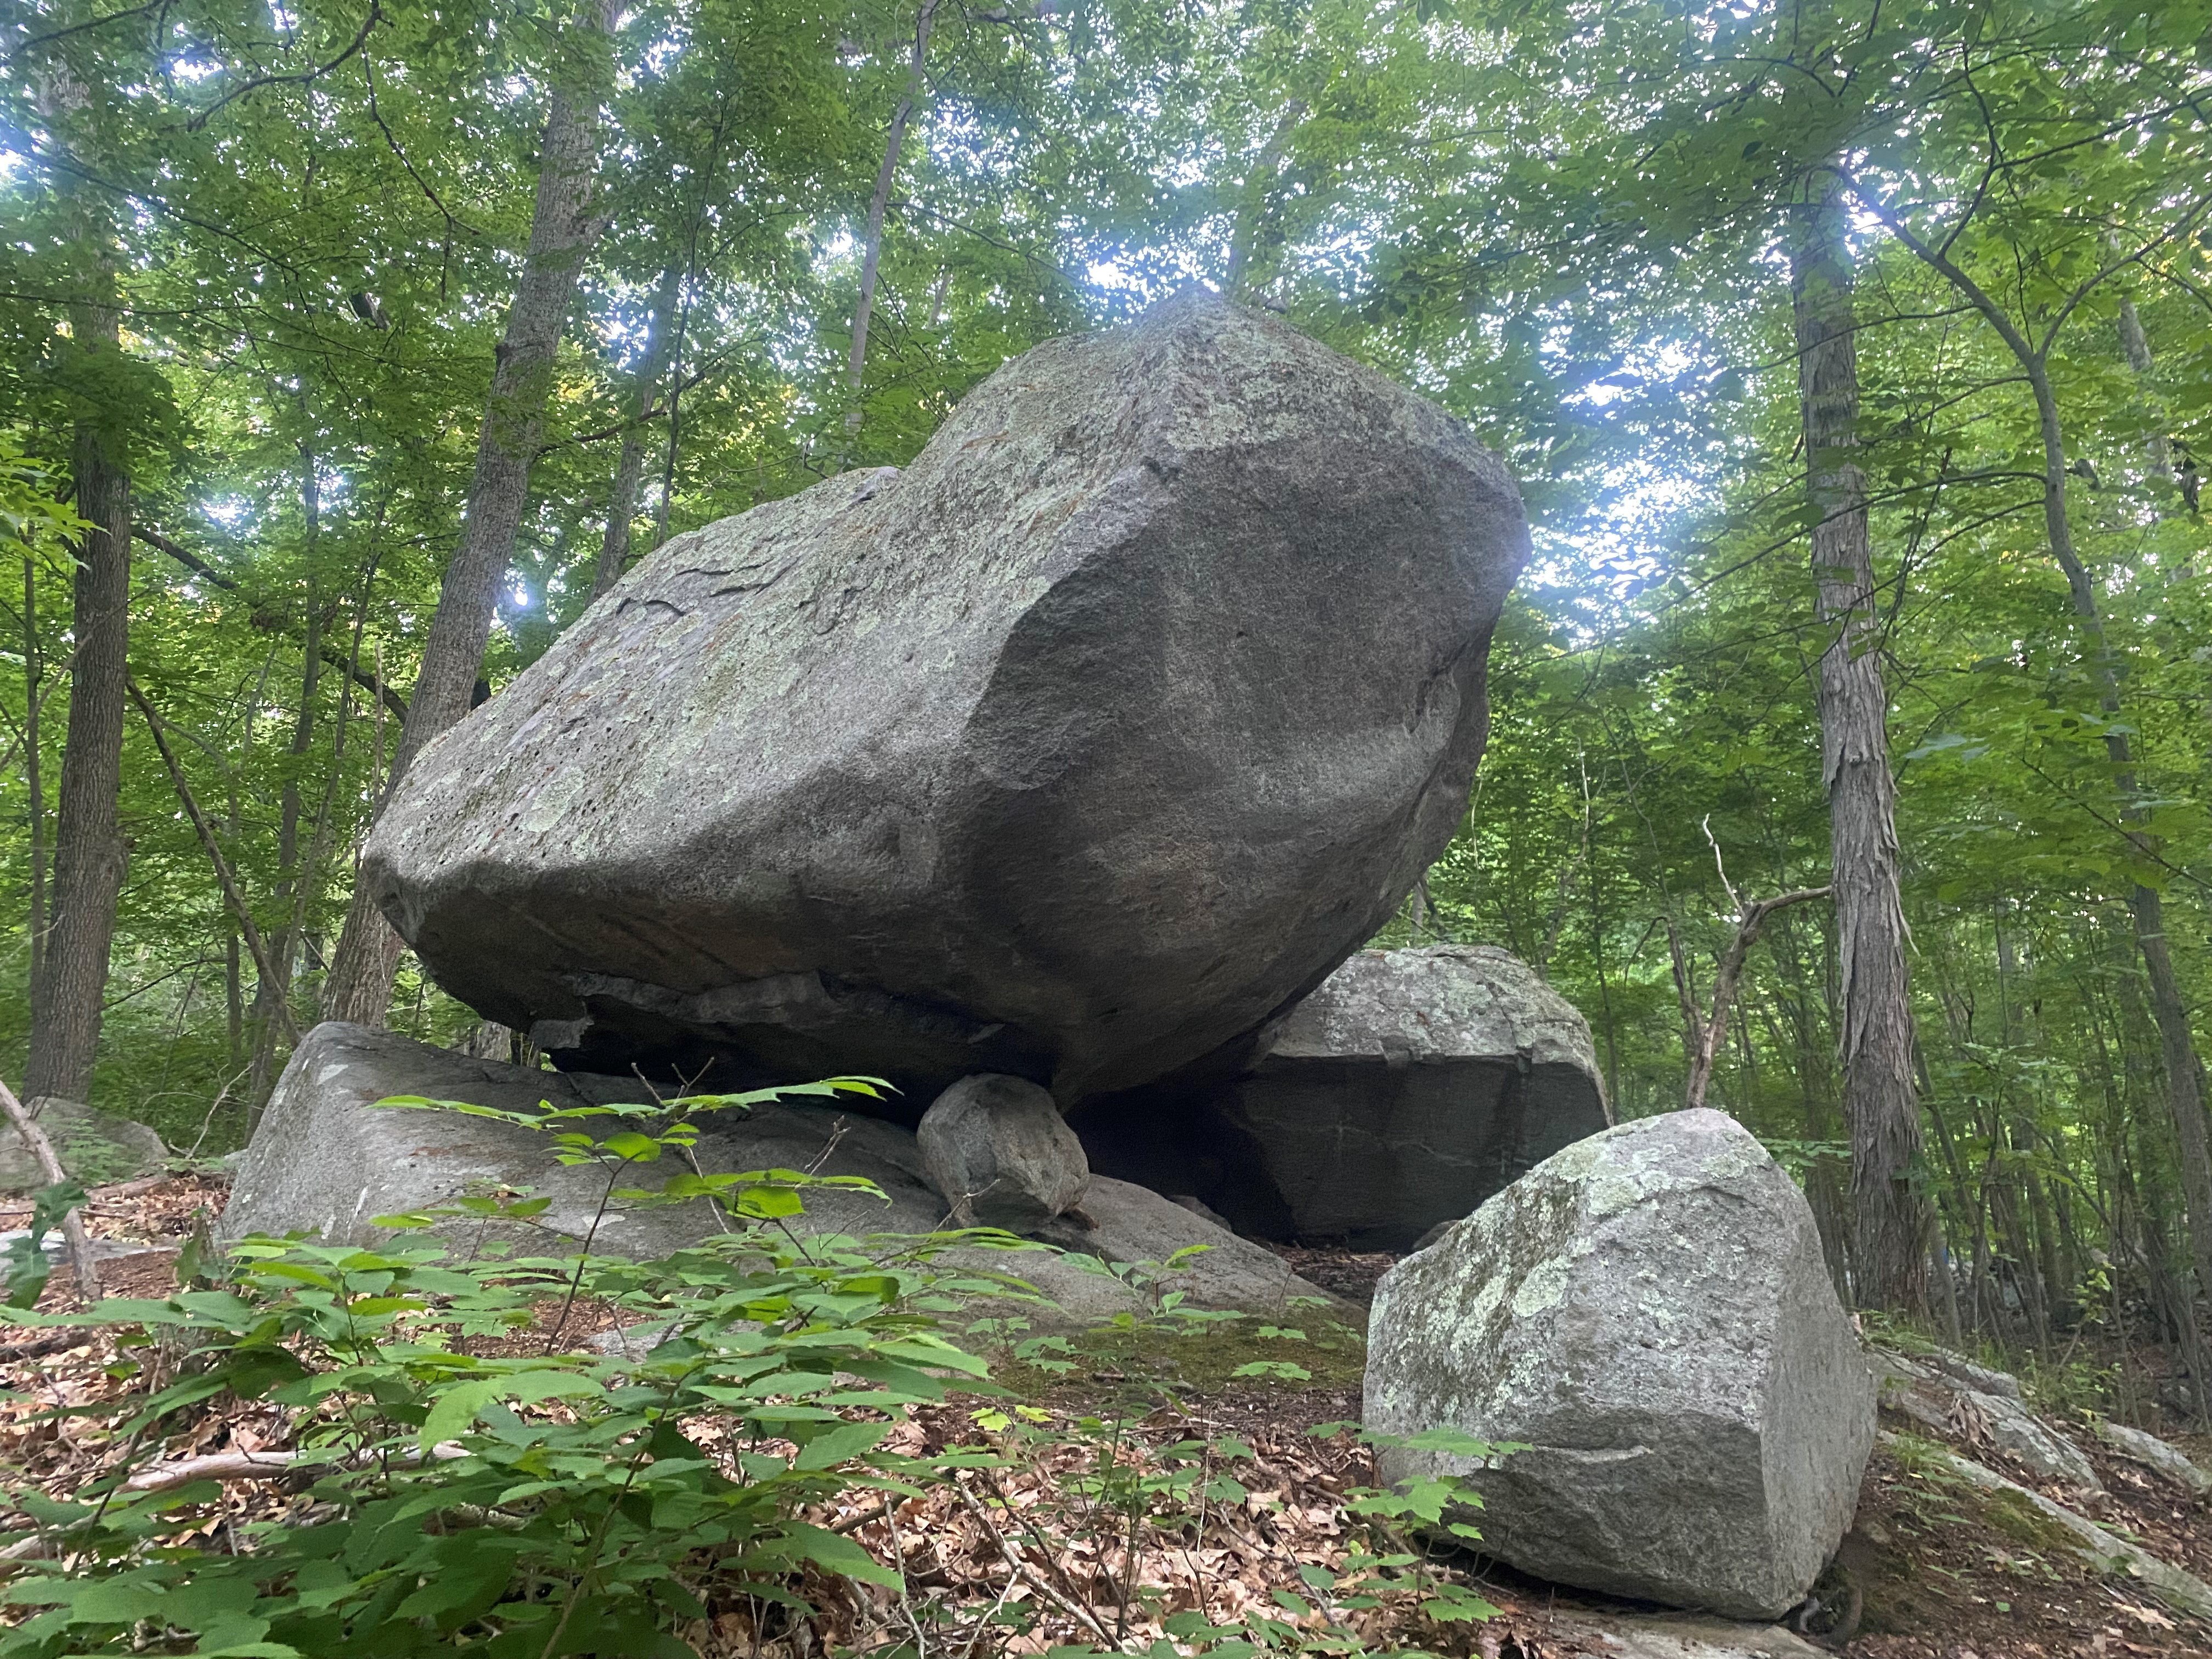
(1941, 1570)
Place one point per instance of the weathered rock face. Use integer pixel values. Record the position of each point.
(323, 1161)
(1405, 1090)
(1076, 750)
(1648, 1311)
(94, 1145)
(1000, 1155)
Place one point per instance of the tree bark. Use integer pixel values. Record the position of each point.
(34, 783)
(564, 227)
(614, 548)
(872, 249)
(269, 993)
(1892, 1227)
(88, 844)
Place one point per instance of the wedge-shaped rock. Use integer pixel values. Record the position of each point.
(1407, 1089)
(1000, 1155)
(1078, 750)
(1649, 1313)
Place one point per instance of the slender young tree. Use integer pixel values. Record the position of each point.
(565, 224)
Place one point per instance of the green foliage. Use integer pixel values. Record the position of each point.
(25, 1267)
(555, 1502)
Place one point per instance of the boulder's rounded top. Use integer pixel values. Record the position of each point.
(1437, 1002)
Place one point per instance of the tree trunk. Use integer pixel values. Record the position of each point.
(34, 783)
(88, 845)
(282, 949)
(1244, 236)
(872, 248)
(563, 227)
(2184, 1075)
(614, 548)
(1891, 1231)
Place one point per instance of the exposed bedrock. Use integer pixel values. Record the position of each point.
(325, 1160)
(1075, 751)
(1409, 1087)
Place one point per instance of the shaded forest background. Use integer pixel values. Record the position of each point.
(263, 259)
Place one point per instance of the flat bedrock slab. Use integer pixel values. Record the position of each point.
(1000, 1155)
(1650, 1312)
(1077, 751)
(1409, 1087)
(324, 1161)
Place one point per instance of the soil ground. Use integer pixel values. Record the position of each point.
(1933, 1569)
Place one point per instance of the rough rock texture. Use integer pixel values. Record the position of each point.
(1650, 1312)
(94, 1145)
(2159, 1456)
(1409, 1087)
(323, 1161)
(1077, 751)
(1944, 1392)
(999, 1153)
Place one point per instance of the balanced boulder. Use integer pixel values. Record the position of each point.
(1076, 750)
(1649, 1314)
(1409, 1087)
(1000, 1154)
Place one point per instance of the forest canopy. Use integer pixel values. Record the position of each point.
(1854, 359)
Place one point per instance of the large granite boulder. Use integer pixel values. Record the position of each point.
(1649, 1313)
(94, 1146)
(1405, 1090)
(324, 1161)
(1076, 750)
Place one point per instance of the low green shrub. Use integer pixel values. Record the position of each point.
(451, 1494)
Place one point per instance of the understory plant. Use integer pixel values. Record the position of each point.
(453, 1480)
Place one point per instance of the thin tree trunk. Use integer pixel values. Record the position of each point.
(1893, 1226)
(564, 227)
(1705, 1032)
(2184, 1076)
(614, 548)
(269, 993)
(2159, 452)
(1245, 234)
(872, 248)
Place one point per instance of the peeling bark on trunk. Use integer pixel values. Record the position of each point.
(1892, 1229)
(563, 227)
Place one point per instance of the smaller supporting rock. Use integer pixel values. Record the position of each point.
(997, 1149)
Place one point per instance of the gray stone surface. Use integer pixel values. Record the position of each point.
(1935, 1390)
(323, 1161)
(94, 1146)
(1000, 1155)
(2162, 1456)
(1409, 1087)
(1077, 751)
(1648, 1311)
